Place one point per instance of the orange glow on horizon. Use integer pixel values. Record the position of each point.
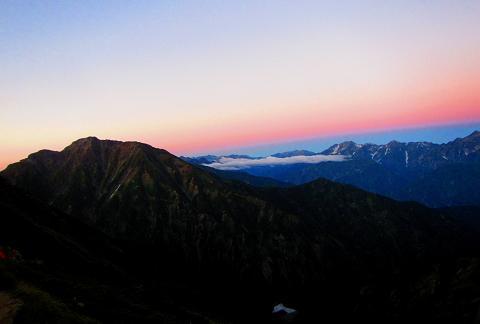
(224, 136)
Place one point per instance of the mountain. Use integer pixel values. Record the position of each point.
(453, 184)
(467, 215)
(345, 148)
(246, 178)
(438, 175)
(320, 247)
(57, 269)
(414, 156)
(434, 174)
(294, 153)
(372, 176)
(208, 159)
(204, 159)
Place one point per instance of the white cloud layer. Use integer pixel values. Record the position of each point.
(226, 163)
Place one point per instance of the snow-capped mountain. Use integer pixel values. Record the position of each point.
(413, 155)
(435, 174)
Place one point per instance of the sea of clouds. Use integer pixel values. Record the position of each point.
(226, 163)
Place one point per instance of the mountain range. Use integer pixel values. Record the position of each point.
(438, 175)
(197, 242)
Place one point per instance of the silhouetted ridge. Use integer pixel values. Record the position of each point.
(319, 243)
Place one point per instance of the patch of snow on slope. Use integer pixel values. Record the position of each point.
(115, 191)
(335, 150)
(281, 307)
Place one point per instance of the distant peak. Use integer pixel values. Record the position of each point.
(343, 145)
(394, 142)
(238, 156)
(86, 140)
(344, 148)
(93, 143)
(474, 134)
(294, 153)
(95, 140)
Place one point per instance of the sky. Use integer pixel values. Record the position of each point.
(198, 77)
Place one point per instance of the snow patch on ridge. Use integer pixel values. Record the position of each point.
(115, 191)
(335, 151)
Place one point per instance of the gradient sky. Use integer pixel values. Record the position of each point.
(208, 76)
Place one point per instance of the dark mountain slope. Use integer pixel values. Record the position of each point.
(364, 216)
(64, 271)
(366, 231)
(450, 185)
(466, 215)
(129, 189)
(245, 178)
(58, 238)
(320, 243)
(372, 176)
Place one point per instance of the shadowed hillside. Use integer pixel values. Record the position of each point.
(356, 254)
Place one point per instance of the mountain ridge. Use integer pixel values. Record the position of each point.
(320, 242)
(402, 171)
